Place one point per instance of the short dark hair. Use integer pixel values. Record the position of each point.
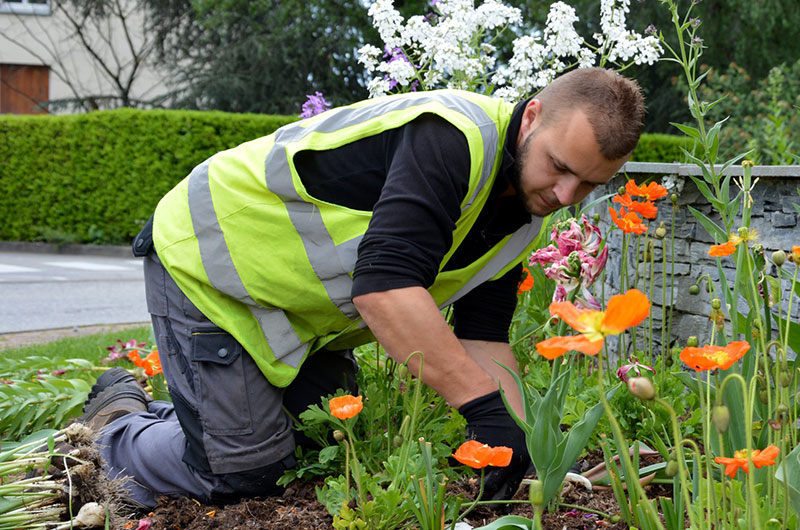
(613, 104)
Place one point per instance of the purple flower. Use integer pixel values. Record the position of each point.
(635, 365)
(59, 372)
(651, 30)
(315, 104)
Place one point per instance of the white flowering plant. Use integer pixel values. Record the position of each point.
(454, 46)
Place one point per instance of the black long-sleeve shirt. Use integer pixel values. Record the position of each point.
(414, 178)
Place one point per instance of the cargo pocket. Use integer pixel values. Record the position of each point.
(221, 385)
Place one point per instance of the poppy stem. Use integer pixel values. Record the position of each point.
(474, 503)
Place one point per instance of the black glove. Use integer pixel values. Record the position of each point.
(490, 423)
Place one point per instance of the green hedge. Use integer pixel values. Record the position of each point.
(96, 178)
(661, 148)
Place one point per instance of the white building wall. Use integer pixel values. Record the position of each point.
(42, 35)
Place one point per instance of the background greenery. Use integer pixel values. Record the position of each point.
(96, 178)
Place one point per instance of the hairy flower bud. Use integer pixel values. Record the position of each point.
(763, 396)
(596, 218)
(782, 412)
(694, 290)
(692, 341)
(716, 303)
(397, 441)
(721, 417)
(338, 435)
(779, 257)
(672, 468)
(642, 388)
(621, 191)
(674, 198)
(661, 231)
(402, 371)
(785, 379)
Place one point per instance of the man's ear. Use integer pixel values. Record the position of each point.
(531, 118)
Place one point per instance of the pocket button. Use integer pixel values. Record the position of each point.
(222, 353)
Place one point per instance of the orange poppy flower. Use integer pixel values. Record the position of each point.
(722, 250)
(795, 256)
(647, 209)
(476, 455)
(344, 407)
(622, 312)
(650, 192)
(629, 222)
(151, 363)
(760, 459)
(714, 357)
(527, 283)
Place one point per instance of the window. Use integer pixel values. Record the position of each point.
(25, 7)
(23, 87)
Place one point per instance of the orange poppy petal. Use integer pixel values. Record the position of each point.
(345, 407)
(722, 250)
(766, 457)
(474, 454)
(569, 314)
(646, 209)
(527, 283)
(501, 456)
(558, 346)
(624, 311)
(735, 351)
(624, 200)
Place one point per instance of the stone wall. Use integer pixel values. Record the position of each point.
(774, 216)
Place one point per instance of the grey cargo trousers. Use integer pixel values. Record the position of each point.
(225, 435)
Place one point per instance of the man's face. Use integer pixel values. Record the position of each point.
(559, 163)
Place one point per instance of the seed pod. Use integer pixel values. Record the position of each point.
(397, 441)
(716, 303)
(721, 417)
(785, 379)
(642, 388)
(621, 190)
(661, 232)
(779, 257)
(694, 290)
(596, 218)
(672, 468)
(692, 341)
(338, 435)
(782, 411)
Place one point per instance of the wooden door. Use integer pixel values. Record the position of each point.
(22, 87)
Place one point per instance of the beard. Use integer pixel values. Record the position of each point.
(515, 176)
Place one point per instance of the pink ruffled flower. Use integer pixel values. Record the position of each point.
(636, 366)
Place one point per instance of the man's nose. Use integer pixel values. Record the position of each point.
(566, 189)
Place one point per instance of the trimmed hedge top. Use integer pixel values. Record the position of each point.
(97, 177)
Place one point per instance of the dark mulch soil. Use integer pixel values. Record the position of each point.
(298, 509)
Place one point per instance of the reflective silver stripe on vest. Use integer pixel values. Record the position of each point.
(221, 272)
(305, 216)
(513, 248)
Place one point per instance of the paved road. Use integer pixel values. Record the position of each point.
(46, 291)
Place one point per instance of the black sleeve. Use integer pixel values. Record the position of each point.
(413, 221)
(485, 313)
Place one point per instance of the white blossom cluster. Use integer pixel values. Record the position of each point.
(452, 47)
(622, 44)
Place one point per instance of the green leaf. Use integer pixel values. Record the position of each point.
(703, 188)
(687, 129)
(710, 226)
(328, 453)
(788, 472)
(509, 522)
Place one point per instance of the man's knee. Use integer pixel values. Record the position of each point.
(260, 482)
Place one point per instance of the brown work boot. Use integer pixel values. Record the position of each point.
(110, 377)
(113, 402)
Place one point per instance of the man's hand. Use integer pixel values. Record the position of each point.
(489, 422)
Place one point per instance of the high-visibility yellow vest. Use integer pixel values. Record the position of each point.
(273, 266)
